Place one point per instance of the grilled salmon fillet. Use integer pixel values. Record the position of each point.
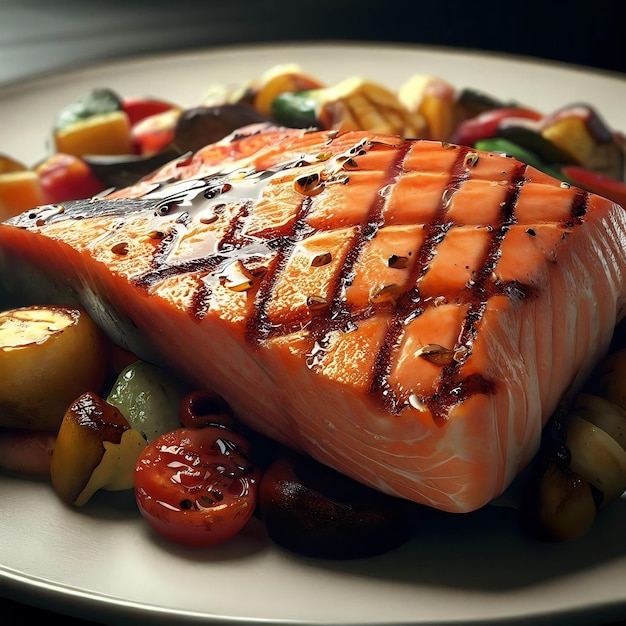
(408, 312)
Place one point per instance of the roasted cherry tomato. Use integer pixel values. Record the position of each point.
(205, 408)
(486, 124)
(197, 486)
(66, 177)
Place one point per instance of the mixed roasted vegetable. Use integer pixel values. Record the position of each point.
(104, 139)
(581, 466)
(88, 415)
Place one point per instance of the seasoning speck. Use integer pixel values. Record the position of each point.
(309, 185)
(436, 354)
(398, 262)
(120, 248)
(416, 402)
(238, 278)
(471, 159)
(350, 164)
(321, 259)
(316, 302)
(388, 293)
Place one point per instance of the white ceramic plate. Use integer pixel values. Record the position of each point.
(103, 562)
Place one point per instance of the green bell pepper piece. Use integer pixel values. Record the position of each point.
(96, 102)
(149, 398)
(499, 144)
(296, 109)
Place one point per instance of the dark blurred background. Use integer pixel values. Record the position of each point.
(37, 35)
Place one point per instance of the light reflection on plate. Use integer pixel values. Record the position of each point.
(103, 561)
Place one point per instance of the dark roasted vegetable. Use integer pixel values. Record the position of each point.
(125, 170)
(200, 126)
(315, 511)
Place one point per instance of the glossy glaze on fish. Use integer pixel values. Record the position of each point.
(407, 312)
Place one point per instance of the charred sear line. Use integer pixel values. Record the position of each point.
(385, 357)
(452, 388)
(335, 315)
(452, 392)
(409, 305)
(339, 317)
(258, 326)
(368, 230)
(149, 279)
(321, 327)
(579, 206)
(232, 235)
(202, 297)
(162, 270)
(167, 243)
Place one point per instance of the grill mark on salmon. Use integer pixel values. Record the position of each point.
(410, 305)
(259, 328)
(453, 389)
(433, 436)
(342, 317)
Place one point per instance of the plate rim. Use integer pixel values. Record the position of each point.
(80, 67)
(46, 590)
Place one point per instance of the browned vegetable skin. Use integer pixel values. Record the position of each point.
(595, 438)
(96, 449)
(568, 509)
(314, 511)
(203, 125)
(611, 379)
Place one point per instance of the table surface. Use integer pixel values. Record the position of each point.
(39, 36)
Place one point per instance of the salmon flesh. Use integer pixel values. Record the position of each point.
(408, 312)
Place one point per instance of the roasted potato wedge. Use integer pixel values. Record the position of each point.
(49, 355)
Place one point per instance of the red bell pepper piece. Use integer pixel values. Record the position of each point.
(154, 133)
(138, 109)
(599, 184)
(485, 125)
